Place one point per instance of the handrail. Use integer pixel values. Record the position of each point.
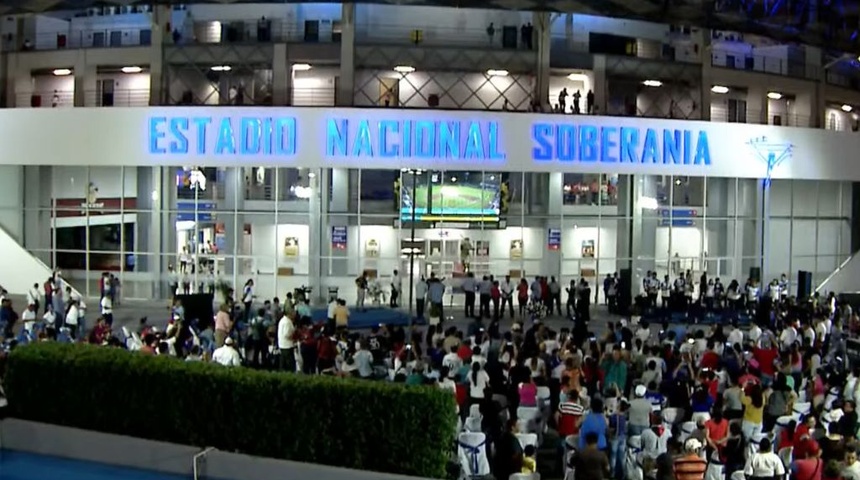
(196, 459)
(834, 272)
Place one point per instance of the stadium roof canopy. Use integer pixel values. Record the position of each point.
(833, 25)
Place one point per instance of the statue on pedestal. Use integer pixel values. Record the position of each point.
(465, 253)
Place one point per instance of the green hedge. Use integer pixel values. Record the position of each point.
(342, 422)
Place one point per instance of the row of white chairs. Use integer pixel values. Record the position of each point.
(474, 457)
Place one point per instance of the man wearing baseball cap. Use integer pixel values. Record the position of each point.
(691, 465)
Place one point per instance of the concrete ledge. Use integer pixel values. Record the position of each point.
(122, 451)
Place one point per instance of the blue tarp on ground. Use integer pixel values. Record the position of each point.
(369, 318)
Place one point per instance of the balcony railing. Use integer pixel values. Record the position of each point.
(94, 38)
(117, 98)
(440, 35)
(254, 31)
(57, 99)
(722, 114)
(45, 99)
(770, 65)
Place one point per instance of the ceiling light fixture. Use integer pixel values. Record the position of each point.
(847, 108)
(578, 77)
(131, 69)
(497, 73)
(719, 89)
(301, 67)
(404, 69)
(774, 95)
(652, 83)
(62, 72)
(221, 68)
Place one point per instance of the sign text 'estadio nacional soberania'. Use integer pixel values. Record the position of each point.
(482, 142)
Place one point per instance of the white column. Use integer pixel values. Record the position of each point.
(346, 82)
(85, 81)
(599, 70)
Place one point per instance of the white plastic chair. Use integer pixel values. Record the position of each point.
(472, 454)
(781, 424)
(543, 395)
(800, 409)
(524, 476)
(671, 416)
(632, 459)
(704, 416)
(475, 411)
(472, 424)
(739, 475)
(528, 413)
(687, 429)
(785, 455)
(527, 439)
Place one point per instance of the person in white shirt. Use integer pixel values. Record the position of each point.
(788, 337)
(332, 307)
(28, 316)
(736, 336)
(34, 296)
(226, 355)
(479, 381)
(655, 441)
(452, 361)
(421, 289)
(396, 290)
(107, 310)
(506, 288)
(852, 466)
(50, 317)
(764, 463)
(72, 319)
(287, 343)
(665, 292)
(754, 334)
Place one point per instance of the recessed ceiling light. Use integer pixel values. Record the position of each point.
(578, 77)
(719, 89)
(221, 68)
(774, 95)
(301, 67)
(404, 69)
(847, 108)
(62, 72)
(652, 83)
(497, 73)
(131, 69)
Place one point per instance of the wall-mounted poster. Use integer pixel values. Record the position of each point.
(291, 247)
(588, 249)
(516, 249)
(371, 248)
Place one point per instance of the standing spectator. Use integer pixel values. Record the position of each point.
(227, 355)
(691, 465)
(287, 343)
(223, 325)
(420, 297)
(396, 289)
(470, 286)
(764, 463)
(590, 462)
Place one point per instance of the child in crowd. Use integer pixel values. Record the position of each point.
(529, 462)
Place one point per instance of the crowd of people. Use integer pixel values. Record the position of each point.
(625, 400)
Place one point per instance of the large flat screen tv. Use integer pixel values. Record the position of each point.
(451, 196)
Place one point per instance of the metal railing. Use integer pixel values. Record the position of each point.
(768, 64)
(195, 461)
(93, 98)
(68, 38)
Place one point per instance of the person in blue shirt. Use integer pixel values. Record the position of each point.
(594, 422)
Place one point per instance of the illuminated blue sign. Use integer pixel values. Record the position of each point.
(413, 139)
(588, 143)
(223, 136)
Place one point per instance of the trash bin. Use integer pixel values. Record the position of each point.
(332, 293)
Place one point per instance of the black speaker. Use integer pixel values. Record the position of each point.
(755, 274)
(198, 307)
(625, 281)
(804, 284)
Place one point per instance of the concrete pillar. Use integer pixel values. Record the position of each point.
(600, 84)
(543, 40)
(707, 75)
(281, 76)
(85, 82)
(160, 18)
(568, 31)
(37, 212)
(317, 231)
(346, 81)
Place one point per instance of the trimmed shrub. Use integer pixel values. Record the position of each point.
(333, 421)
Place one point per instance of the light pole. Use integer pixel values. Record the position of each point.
(414, 173)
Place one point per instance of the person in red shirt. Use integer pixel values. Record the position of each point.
(716, 433)
(766, 357)
(710, 359)
(496, 297)
(803, 441)
(810, 467)
(465, 352)
(569, 413)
